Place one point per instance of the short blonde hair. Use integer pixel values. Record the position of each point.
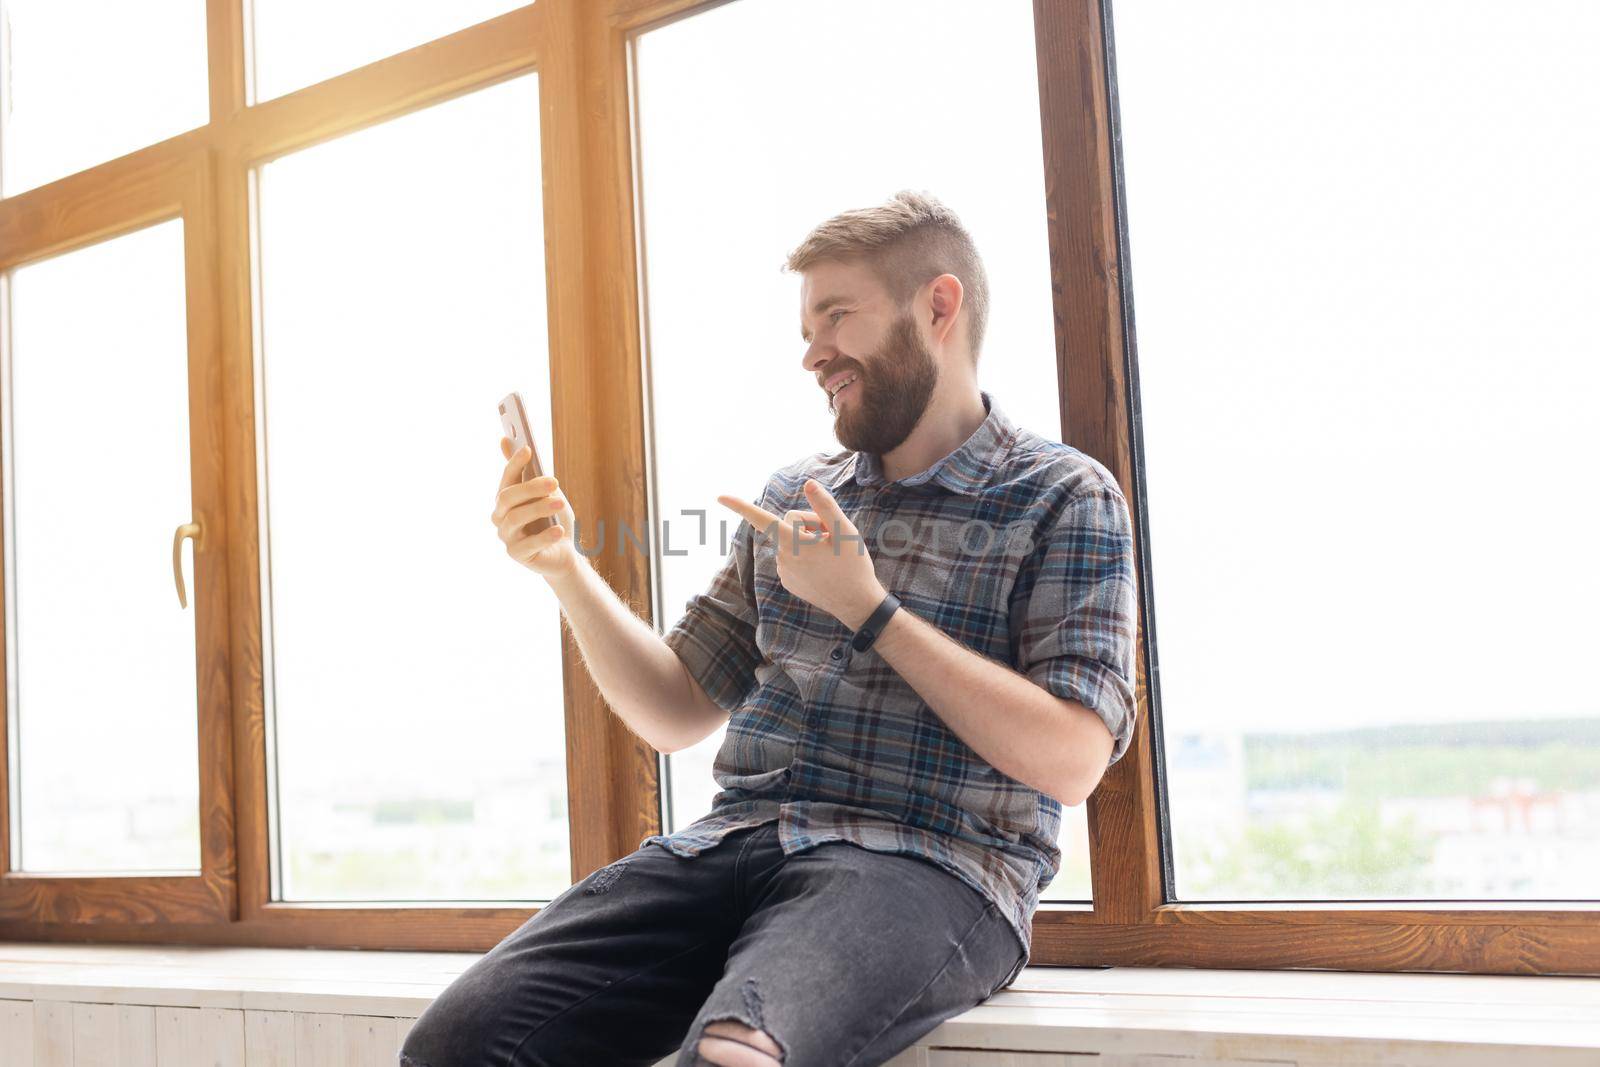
(906, 242)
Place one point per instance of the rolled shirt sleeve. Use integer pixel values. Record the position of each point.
(1074, 610)
(716, 637)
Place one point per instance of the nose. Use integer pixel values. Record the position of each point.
(817, 356)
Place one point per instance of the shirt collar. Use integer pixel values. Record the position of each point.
(966, 470)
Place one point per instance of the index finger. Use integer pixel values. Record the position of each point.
(759, 518)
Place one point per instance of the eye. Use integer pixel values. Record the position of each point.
(831, 315)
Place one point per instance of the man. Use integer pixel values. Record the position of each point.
(922, 647)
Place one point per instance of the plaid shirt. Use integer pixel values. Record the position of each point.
(1019, 548)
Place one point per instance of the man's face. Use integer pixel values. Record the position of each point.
(855, 332)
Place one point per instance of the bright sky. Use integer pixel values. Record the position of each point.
(1364, 266)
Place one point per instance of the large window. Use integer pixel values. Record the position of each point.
(278, 339)
(98, 473)
(1368, 356)
(266, 268)
(771, 153)
(416, 696)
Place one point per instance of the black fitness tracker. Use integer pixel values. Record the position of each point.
(875, 623)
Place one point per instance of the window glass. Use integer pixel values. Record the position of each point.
(86, 81)
(415, 668)
(758, 120)
(101, 667)
(1369, 358)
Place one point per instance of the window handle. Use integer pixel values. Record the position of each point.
(188, 529)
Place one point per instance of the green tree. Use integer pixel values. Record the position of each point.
(1342, 854)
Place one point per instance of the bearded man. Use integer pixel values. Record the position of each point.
(922, 646)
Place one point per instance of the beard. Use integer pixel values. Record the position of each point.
(892, 387)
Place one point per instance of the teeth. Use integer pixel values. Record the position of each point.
(842, 384)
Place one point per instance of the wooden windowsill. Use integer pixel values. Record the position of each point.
(1272, 1016)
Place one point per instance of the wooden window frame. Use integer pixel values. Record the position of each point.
(155, 189)
(580, 50)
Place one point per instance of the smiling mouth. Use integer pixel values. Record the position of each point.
(845, 384)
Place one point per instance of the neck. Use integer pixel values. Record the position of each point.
(955, 411)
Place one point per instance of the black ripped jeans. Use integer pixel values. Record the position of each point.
(844, 956)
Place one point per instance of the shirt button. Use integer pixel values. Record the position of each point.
(835, 654)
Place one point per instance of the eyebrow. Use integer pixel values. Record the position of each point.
(818, 308)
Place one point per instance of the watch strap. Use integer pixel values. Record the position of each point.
(875, 623)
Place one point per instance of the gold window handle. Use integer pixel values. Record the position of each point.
(188, 529)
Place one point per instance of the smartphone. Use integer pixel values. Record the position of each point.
(514, 421)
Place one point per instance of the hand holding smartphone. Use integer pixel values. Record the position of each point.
(514, 421)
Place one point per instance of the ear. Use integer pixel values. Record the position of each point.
(944, 298)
